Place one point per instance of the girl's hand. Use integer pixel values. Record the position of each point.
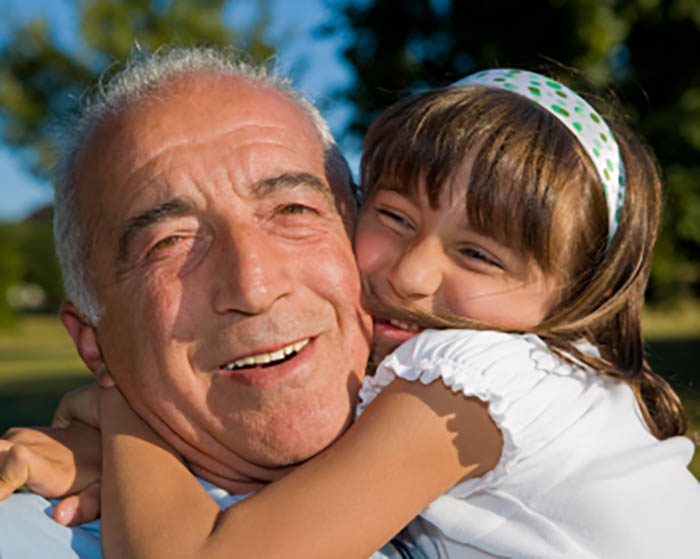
(52, 463)
(81, 404)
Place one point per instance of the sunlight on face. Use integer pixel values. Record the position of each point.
(414, 257)
(209, 213)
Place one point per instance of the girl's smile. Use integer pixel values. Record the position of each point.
(415, 257)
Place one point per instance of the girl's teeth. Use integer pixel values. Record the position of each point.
(409, 326)
(265, 358)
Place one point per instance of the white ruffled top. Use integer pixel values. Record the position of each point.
(580, 475)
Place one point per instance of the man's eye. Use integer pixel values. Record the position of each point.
(167, 242)
(295, 209)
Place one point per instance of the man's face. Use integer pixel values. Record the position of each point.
(217, 245)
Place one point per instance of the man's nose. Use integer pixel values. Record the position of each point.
(251, 272)
(418, 271)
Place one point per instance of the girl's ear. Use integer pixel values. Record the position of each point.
(85, 339)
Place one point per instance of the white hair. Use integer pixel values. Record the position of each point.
(142, 76)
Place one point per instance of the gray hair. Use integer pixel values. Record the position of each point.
(136, 82)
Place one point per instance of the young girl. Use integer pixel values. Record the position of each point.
(507, 207)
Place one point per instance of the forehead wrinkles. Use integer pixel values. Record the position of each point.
(214, 149)
(142, 158)
(190, 116)
(149, 136)
(228, 156)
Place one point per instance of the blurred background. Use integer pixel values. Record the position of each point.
(352, 58)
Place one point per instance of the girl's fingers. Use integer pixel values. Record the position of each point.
(81, 404)
(79, 508)
(14, 467)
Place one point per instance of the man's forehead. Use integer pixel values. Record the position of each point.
(198, 110)
(198, 106)
(189, 129)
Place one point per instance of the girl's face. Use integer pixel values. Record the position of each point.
(417, 258)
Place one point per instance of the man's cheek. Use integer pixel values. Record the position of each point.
(336, 263)
(163, 300)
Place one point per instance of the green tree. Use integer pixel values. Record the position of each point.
(10, 269)
(27, 257)
(644, 47)
(40, 81)
(34, 238)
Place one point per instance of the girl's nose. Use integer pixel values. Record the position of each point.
(418, 272)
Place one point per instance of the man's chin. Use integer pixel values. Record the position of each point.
(290, 444)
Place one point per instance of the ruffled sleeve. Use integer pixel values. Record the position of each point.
(532, 395)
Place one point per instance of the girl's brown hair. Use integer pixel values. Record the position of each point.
(534, 188)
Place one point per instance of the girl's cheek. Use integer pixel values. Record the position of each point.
(372, 250)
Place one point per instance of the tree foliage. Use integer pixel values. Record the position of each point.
(28, 263)
(10, 271)
(646, 48)
(40, 81)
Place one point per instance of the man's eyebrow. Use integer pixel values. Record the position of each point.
(289, 181)
(175, 207)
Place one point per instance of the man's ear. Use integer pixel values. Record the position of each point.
(85, 339)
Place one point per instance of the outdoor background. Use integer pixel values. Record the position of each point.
(352, 59)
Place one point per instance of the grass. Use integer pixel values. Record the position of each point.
(38, 363)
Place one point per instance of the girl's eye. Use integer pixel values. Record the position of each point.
(476, 254)
(394, 217)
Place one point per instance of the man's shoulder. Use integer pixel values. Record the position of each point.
(27, 531)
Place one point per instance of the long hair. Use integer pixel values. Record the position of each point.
(534, 189)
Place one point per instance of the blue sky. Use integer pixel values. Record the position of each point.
(315, 65)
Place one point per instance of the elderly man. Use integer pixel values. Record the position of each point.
(202, 223)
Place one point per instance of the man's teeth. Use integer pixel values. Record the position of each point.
(403, 325)
(265, 358)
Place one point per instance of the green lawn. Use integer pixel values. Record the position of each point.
(38, 363)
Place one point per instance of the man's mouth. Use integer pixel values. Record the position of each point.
(266, 359)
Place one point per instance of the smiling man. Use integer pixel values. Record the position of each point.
(203, 219)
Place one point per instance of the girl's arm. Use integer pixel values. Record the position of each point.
(54, 462)
(51, 462)
(412, 444)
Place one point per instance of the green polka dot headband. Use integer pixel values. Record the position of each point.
(578, 116)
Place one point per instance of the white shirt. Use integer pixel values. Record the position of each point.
(580, 475)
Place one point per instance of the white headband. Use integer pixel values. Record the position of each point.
(578, 116)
